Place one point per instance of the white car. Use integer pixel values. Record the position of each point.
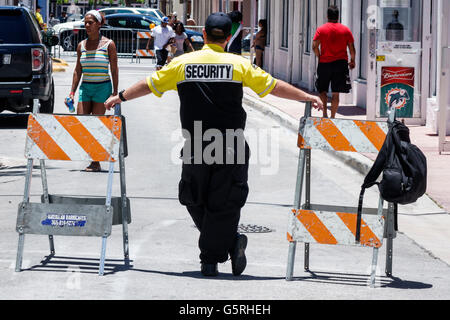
(107, 11)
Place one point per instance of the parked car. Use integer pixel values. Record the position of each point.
(120, 27)
(74, 17)
(25, 62)
(71, 24)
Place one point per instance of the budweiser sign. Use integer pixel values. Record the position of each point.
(397, 75)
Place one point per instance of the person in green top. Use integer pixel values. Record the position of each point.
(235, 43)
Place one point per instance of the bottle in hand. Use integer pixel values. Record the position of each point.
(69, 103)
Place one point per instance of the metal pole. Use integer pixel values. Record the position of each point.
(297, 204)
(443, 98)
(123, 193)
(46, 200)
(253, 8)
(390, 236)
(376, 250)
(26, 199)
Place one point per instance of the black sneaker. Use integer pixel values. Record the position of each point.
(238, 259)
(210, 269)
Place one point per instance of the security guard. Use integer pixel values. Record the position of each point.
(209, 84)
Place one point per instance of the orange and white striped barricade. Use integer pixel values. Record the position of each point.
(74, 138)
(333, 225)
(143, 52)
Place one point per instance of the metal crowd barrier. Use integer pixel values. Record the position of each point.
(124, 39)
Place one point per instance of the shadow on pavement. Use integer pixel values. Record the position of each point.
(198, 275)
(361, 280)
(90, 266)
(85, 265)
(351, 111)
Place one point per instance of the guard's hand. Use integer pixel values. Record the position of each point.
(317, 102)
(112, 101)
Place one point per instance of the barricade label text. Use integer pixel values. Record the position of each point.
(64, 220)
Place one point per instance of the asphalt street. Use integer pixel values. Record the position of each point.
(163, 239)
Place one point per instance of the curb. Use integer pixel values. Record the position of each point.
(60, 61)
(356, 161)
(58, 68)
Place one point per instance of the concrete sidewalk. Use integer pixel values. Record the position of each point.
(438, 185)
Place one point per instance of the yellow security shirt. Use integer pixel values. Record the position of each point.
(210, 86)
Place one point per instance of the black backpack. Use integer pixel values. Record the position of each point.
(404, 169)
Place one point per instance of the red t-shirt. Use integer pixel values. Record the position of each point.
(334, 38)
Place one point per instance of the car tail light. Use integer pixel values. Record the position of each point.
(37, 58)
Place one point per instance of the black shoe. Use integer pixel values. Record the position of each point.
(210, 269)
(238, 259)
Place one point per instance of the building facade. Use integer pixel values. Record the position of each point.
(292, 25)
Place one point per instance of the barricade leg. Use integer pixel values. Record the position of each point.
(26, 199)
(389, 252)
(124, 205)
(298, 195)
(373, 272)
(107, 203)
(46, 200)
(390, 240)
(307, 201)
(306, 257)
(19, 257)
(101, 269)
(291, 260)
(374, 267)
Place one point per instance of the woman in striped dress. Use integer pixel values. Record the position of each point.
(95, 56)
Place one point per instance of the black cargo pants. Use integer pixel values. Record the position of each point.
(214, 195)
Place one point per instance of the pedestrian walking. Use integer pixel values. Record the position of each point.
(63, 17)
(181, 40)
(162, 35)
(95, 56)
(209, 84)
(39, 18)
(259, 43)
(330, 46)
(190, 21)
(235, 43)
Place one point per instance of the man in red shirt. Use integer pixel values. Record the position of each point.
(330, 46)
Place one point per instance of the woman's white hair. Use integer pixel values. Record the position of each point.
(96, 15)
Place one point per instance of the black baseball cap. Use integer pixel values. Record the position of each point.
(218, 24)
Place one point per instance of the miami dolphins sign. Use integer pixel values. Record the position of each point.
(397, 90)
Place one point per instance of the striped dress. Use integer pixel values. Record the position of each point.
(95, 63)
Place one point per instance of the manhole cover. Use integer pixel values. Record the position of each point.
(253, 228)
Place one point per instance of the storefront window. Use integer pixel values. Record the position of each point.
(268, 3)
(363, 41)
(307, 24)
(401, 20)
(285, 29)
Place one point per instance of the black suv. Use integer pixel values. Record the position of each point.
(25, 62)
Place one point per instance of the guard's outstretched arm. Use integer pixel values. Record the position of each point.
(285, 90)
(137, 90)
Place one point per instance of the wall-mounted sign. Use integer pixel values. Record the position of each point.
(397, 90)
